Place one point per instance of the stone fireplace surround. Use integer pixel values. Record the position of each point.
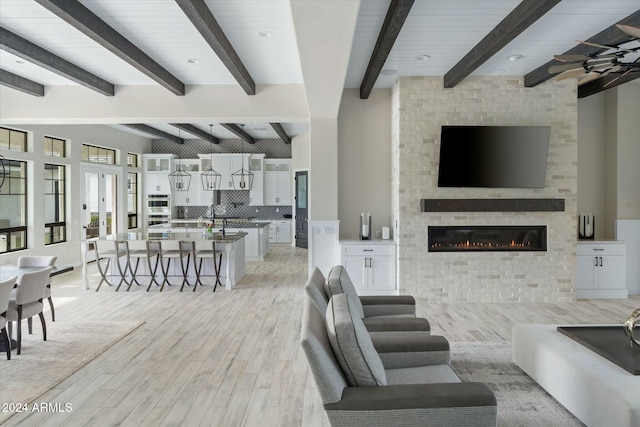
(420, 106)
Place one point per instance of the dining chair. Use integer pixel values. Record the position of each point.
(216, 260)
(5, 294)
(41, 261)
(28, 301)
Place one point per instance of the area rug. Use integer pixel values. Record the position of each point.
(521, 401)
(44, 364)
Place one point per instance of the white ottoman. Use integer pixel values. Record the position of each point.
(595, 390)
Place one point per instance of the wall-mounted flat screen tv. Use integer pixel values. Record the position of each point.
(493, 156)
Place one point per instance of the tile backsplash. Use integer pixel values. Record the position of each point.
(233, 204)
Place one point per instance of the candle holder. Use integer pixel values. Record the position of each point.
(365, 229)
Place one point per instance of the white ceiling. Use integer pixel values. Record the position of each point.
(264, 36)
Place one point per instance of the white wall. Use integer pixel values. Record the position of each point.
(100, 135)
(364, 161)
(628, 143)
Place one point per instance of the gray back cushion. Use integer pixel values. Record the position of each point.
(315, 289)
(325, 369)
(352, 345)
(339, 282)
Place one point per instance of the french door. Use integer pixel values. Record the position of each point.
(101, 202)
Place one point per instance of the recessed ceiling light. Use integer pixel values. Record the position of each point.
(515, 57)
(495, 71)
(264, 34)
(422, 57)
(19, 61)
(389, 72)
(193, 61)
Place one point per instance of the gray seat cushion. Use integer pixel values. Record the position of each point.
(339, 282)
(352, 345)
(422, 375)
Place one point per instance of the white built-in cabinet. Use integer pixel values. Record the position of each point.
(157, 168)
(194, 195)
(277, 182)
(256, 166)
(371, 265)
(601, 270)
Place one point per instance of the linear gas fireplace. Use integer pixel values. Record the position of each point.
(487, 238)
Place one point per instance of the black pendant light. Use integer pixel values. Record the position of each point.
(210, 178)
(179, 179)
(242, 178)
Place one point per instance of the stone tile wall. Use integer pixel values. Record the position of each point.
(420, 106)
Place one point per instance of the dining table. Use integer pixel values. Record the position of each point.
(8, 271)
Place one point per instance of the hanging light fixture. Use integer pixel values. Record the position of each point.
(242, 178)
(210, 178)
(179, 179)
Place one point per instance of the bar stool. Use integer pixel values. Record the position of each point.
(207, 253)
(111, 250)
(182, 251)
(152, 249)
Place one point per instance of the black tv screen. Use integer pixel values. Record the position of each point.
(493, 156)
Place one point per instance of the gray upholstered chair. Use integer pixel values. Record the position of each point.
(41, 261)
(28, 301)
(380, 319)
(5, 293)
(358, 389)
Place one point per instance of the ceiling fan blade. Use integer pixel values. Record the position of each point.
(570, 74)
(565, 67)
(603, 46)
(601, 68)
(589, 77)
(621, 75)
(571, 58)
(632, 31)
(592, 63)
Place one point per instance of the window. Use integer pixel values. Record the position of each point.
(54, 204)
(13, 140)
(13, 200)
(93, 154)
(132, 160)
(132, 200)
(54, 147)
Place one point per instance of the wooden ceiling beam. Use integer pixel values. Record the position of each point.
(77, 15)
(20, 83)
(153, 131)
(604, 83)
(393, 22)
(237, 130)
(609, 36)
(520, 18)
(281, 132)
(33, 53)
(201, 17)
(189, 128)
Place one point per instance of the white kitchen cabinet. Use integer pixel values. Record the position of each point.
(601, 270)
(283, 230)
(156, 177)
(277, 182)
(256, 166)
(371, 265)
(194, 195)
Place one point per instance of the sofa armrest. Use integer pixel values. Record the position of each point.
(453, 404)
(412, 350)
(387, 305)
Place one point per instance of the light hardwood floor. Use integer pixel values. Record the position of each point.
(232, 358)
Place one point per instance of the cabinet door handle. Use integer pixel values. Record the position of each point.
(367, 250)
(596, 258)
(600, 261)
(598, 249)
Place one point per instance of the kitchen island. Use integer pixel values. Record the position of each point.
(256, 242)
(232, 244)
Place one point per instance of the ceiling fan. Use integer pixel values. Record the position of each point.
(613, 60)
